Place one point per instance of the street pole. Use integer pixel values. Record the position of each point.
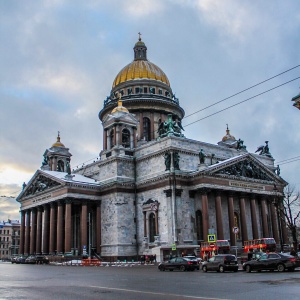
(235, 244)
(90, 239)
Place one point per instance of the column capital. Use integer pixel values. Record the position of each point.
(218, 193)
(68, 201)
(192, 194)
(204, 191)
(46, 206)
(231, 194)
(52, 205)
(168, 192)
(243, 195)
(178, 192)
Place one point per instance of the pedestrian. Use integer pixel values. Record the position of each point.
(154, 258)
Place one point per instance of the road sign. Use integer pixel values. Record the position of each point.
(211, 238)
(235, 230)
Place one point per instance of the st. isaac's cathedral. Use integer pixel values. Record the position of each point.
(152, 190)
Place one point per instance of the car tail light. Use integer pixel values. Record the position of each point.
(190, 263)
(293, 259)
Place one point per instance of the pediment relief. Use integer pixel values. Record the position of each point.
(39, 184)
(247, 168)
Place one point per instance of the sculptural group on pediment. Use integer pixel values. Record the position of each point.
(39, 185)
(247, 169)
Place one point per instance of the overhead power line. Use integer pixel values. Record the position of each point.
(217, 112)
(249, 88)
(281, 161)
(289, 162)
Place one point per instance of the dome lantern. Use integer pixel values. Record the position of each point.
(140, 50)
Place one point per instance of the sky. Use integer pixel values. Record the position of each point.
(59, 58)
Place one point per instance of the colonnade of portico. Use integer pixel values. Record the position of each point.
(266, 219)
(60, 227)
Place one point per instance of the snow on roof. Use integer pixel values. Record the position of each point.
(220, 163)
(70, 178)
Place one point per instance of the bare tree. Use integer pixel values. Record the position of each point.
(290, 211)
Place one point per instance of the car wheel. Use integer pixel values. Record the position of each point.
(248, 269)
(171, 270)
(204, 268)
(221, 269)
(280, 268)
(182, 268)
(162, 269)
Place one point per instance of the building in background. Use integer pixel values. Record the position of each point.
(152, 190)
(9, 238)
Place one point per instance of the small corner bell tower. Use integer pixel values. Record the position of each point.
(57, 157)
(119, 132)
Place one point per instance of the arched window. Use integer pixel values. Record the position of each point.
(237, 224)
(199, 226)
(60, 166)
(111, 138)
(146, 129)
(152, 232)
(125, 138)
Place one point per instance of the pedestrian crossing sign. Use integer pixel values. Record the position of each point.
(211, 238)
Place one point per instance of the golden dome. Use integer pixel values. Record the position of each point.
(58, 143)
(228, 136)
(140, 69)
(120, 107)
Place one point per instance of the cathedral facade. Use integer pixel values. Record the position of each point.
(152, 190)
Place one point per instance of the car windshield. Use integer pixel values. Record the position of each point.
(268, 241)
(230, 257)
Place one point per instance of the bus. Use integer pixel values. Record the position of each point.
(262, 245)
(210, 249)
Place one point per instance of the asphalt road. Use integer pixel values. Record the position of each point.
(141, 282)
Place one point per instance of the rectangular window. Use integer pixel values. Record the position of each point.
(137, 90)
(160, 91)
(145, 90)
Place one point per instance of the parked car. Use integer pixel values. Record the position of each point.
(272, 261)
(37, 259)
(13, 259)
(179, 263)
(221, 263)
(21, 259)
(192, 257)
